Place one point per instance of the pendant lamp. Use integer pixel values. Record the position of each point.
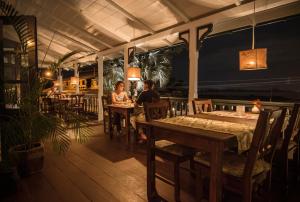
(255, 58)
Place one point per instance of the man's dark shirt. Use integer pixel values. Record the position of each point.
(147, 96)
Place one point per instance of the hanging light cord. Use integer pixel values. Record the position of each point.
(253, 27)
(48, 48)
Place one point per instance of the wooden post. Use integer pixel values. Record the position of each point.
(60, 80)
(100, 86)
(196, 38)
(193, 68)
(2, 101)
(76, 74)
(126, 68)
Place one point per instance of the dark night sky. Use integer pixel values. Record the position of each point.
(219, 58)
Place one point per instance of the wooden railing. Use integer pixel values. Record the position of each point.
(180, 105)
(230, 105)
(91, 104)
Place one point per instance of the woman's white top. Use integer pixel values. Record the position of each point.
(119, 97)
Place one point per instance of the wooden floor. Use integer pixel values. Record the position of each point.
(103, 170)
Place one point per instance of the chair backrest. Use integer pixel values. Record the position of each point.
(270, 141)
(293, 128)
(76, 99)
(157, 110)
(105, 101)
(265, 138)
(200, 106)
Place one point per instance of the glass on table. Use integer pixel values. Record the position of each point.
(240, 109)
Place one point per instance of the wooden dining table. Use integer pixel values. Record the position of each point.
(125, 110)
(212, 141)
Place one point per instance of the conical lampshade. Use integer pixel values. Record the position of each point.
(134, 73)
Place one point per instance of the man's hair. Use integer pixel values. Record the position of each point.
(150, 83)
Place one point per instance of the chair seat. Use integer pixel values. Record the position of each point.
(173, 148)
(234, 164)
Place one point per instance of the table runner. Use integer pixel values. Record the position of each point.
(243, 132)
(234, 114)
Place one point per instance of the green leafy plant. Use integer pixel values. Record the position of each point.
(113, 72)
(28, 124)
(155, 65)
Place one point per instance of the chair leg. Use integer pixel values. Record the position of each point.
(269, 186)
(177, 181)
(199, 185)
(285, 172)
(104, 125)
(297, 158)
(247, 195)
(192, 167)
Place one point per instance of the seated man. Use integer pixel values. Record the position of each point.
(148, 95)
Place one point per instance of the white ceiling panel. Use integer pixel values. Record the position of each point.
(93, 25)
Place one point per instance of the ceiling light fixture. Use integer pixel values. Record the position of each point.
(255, 58)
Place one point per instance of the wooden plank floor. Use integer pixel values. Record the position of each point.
(101, 170)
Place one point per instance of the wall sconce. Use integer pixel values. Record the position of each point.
(48, 73)
(74, 80)
(56, 83)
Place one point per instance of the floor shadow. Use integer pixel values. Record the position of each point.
(115, 149)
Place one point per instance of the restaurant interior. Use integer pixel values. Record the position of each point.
(149, 100)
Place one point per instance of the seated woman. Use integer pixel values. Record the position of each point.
(148, 95)
(119, 96)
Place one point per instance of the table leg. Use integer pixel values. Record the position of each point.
(127, 125)
(110, 128)
(151, 189)
(215, 187)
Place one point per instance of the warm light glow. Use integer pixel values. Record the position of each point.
(30, 43)
(48, 73)
(252, 62)
(253, 59)
(74, 80)
(56, 83)
(134, 73)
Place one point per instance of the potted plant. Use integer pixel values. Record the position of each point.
(27, 128)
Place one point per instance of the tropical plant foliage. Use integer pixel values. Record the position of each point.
(28, 124)
(155, 65)
(113, 71)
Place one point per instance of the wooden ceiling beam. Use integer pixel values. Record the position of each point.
(104, 30)
(130, 16)
(86, 46)
(74, 27)
(175, 10)
(227, 15)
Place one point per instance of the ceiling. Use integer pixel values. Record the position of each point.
(100, 25)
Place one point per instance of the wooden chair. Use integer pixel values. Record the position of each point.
(47, 105)
(77, 103)
(166, 149)
(289, 145)
(244, 173)
(200, 106)
(105, 101)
